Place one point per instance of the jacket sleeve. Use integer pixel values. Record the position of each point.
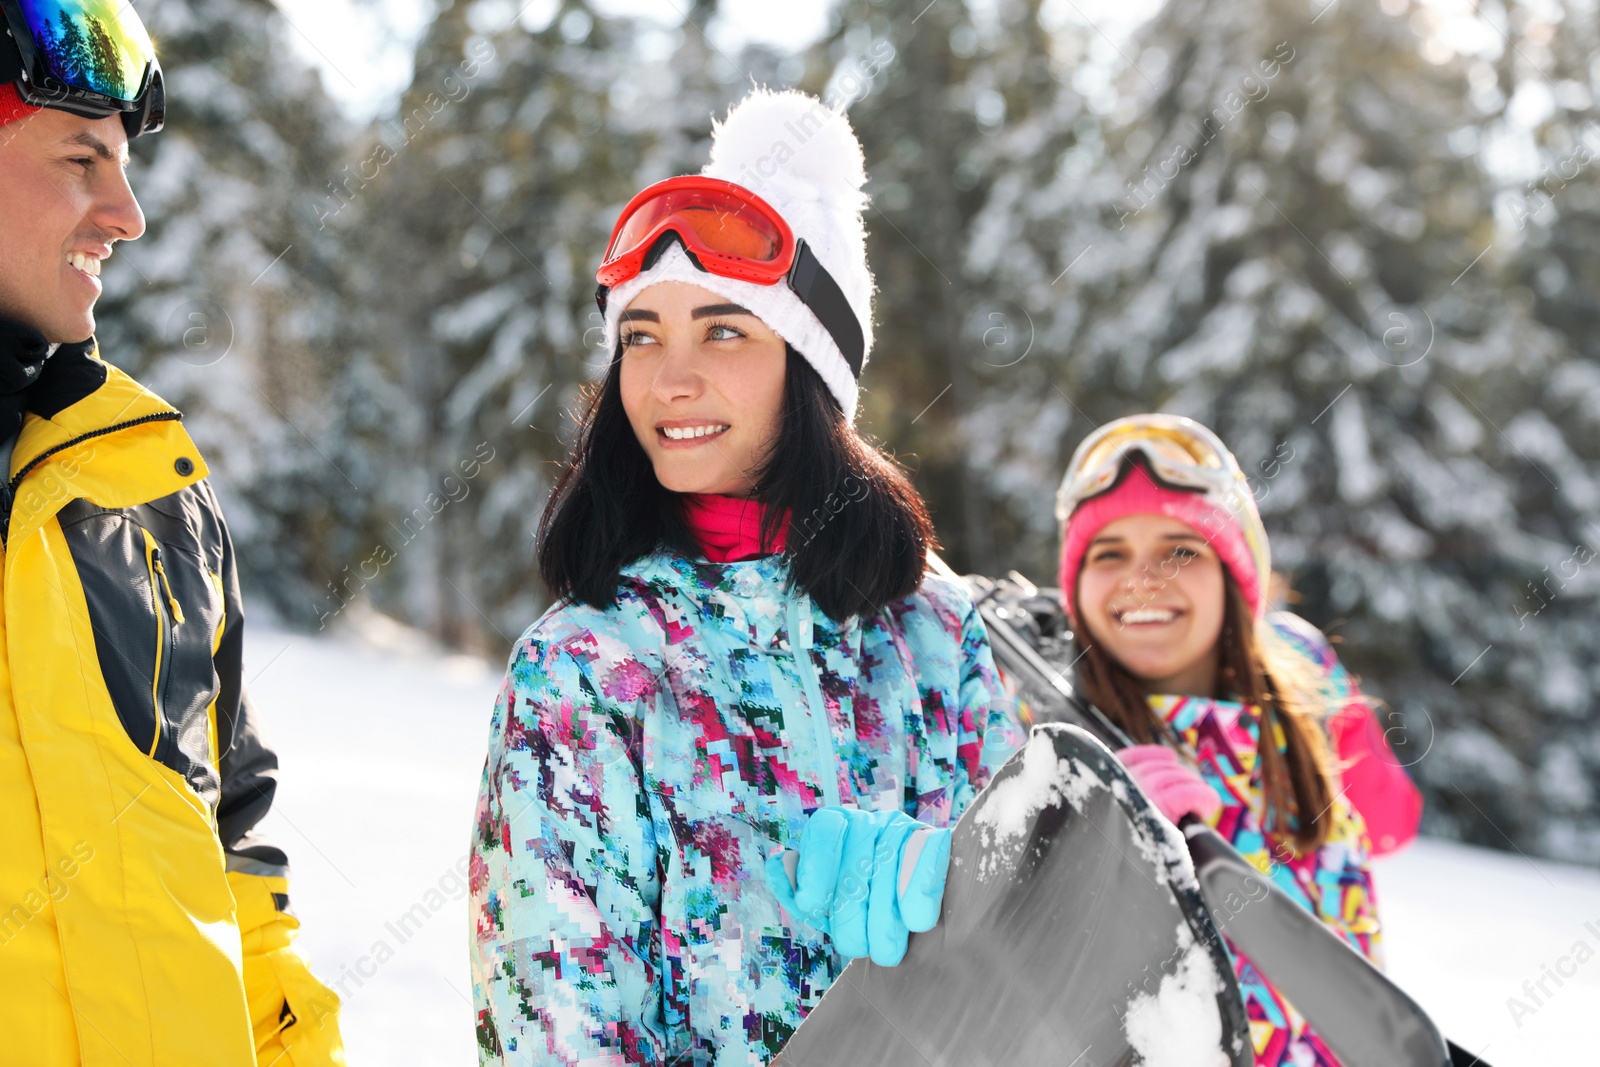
(290, 1011)
(1373, 776)
(566, 941)
(1374, 780)
(990, 730)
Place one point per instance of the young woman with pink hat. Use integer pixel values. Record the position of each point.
(1164, 571)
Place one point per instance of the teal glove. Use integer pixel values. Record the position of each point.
(867, 879)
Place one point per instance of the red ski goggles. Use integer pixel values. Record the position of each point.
(731, 232)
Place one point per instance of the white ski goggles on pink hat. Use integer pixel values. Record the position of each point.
(1180, 453)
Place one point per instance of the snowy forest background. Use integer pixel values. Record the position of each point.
(1361, 239)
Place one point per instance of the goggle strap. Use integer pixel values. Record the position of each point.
(815, 287)
(818, 291)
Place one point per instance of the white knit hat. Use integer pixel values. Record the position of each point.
(801, 157)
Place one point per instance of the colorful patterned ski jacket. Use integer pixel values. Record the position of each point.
(644, 760)
(1334, 883)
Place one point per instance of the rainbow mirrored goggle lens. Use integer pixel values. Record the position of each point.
(87, 52)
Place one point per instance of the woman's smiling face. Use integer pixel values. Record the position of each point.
(702, 383)
(1151, 593)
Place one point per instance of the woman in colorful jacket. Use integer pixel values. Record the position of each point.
(746, 656)
(1164, 564)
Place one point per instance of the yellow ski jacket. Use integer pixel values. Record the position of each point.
(141, 922)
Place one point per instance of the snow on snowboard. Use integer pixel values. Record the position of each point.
(1072, 933)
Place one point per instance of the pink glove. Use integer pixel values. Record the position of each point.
(1175, 788)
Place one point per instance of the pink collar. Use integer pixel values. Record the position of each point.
(728, 528)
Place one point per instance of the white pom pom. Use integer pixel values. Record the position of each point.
(804, 160)
(792, 140)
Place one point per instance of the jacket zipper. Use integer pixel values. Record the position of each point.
(166, 587)
(800, 640)
(166, 608)
(211, 708)
(10, 491)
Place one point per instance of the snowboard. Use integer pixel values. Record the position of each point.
(1072, 933)
(1361, 1014)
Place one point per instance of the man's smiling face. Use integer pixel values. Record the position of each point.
(64, 199)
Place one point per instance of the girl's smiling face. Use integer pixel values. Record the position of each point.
(702, 383)
(1151, 594)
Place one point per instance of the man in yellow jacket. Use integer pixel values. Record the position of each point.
(142, 924)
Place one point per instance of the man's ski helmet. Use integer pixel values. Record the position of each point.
(92, 58)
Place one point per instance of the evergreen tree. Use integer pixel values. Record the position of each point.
(1534, 87)
(927, 96)
(104, 57)
(46, 39)
(72, 56)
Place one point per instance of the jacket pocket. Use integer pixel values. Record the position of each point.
(156, 613)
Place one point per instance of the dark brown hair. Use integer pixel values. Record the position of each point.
(1253, 667)
(858, 535)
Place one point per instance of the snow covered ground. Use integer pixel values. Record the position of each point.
(382, 741)
(1468, 930)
